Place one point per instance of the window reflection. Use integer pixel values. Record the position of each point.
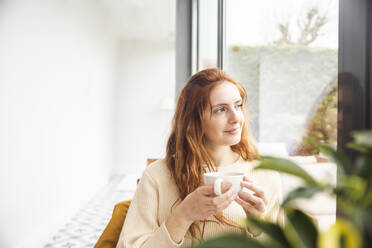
(285, 53)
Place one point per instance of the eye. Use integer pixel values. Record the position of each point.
(220, 110)
(239, 105)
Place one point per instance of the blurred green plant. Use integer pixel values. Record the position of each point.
(322, 122)
(353, 227)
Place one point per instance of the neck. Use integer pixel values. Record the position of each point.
(223, 155)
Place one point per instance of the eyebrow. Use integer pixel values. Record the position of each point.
(222, 104)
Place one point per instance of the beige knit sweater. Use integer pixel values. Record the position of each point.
(144, 226)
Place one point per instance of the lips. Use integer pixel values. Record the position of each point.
(233, 131)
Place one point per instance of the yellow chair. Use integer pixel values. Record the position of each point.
(110, 235)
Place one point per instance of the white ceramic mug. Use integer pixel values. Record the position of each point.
(216, 178)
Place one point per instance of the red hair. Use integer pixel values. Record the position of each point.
(186, 152)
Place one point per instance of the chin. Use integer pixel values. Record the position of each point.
(234, 141)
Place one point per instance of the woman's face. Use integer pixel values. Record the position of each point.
(223, 122)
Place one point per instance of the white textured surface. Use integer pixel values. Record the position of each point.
(87, 225)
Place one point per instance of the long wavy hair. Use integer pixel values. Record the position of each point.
(187, 156)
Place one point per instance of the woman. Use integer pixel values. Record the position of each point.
(172, 207)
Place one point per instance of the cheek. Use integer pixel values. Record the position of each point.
(213, 127)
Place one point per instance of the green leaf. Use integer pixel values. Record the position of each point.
(363, 138)
(353, 187)
(357, 147)
(303, 230)
(367, 218)
(272, 230)
(367, 200)
(285, 166)
(363, 167)
(231, 240)
(338, 157)
(300, 192)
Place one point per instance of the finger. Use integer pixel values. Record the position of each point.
(258, 191)
(210, 209)
(249, 185)
(227, 203)
(245, 178)
(248, 208)
(254, 201)
(212, 212)
(206, 190)
(248, 197)
(225, 186)
(218, 200)
(208, 201)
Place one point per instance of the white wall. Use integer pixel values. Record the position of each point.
(147, 73)
(56, 69)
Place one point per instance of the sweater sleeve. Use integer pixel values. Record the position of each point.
(141, 228)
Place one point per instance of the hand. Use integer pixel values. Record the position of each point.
(198, 205)
(254, 204)
(203, 203)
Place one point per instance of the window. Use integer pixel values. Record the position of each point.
(286, 55)
(207, 25)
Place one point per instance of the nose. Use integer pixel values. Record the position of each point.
(235, 116)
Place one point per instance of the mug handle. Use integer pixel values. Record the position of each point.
(217, 186)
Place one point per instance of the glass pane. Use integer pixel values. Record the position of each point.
(207, 34)
(285, 53)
